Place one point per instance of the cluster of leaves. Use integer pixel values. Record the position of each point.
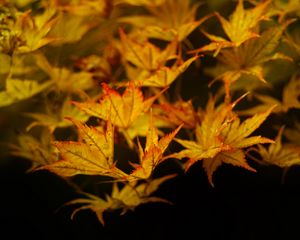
(106, 72)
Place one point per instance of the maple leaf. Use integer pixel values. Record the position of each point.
(173, 19)
(121, 110)
(253, 53)
(69, 29)
(178, 112)
(152, 155)
(64, 78)
(208, 142)
(145, 55)
(34, 30)
(100, 67)
(91, 156)
(141, 125)
(290, 99)
(38, 150)
(126, 198)
(53, 119)
(149, 62)
(282, 155)
(17, 90)
(220, 138)
(239, 28)
(164, 76)
(267, 102)
(249, 57)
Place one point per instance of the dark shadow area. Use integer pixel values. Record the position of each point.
(242, 205)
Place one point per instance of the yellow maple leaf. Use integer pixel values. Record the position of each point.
(64, 78)
(220, 138)
(127, 198)
(17, 90)
(290, 99)
(282, 155)
(121, 110)
(34, 30)
(172, 19)
(38, 150)
(152, 155)
(249, 58)
(53, 119)
(144, 54)
(141, 125)
(164, 76)
(93, 155)
(149, 62)
(239, 28)
(69, 28)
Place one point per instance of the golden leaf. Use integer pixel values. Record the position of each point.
(152, 155)
(239, 28)
(53, 119)
(126, 198)
(220, 138)
(249, 58)
(173, 19)
(290, 99)
(17, 90)
(282, 155)
(121, 110)
(91, 156)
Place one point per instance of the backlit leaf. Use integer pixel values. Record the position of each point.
(173, 19)
(38, 150)
(127, 198)
(17, 90)
(239, 28)
(290, 99)
(220, 138)
(152, 155)
(249, 57)
(91, 156)
(57, 119)
(121, 110)
(35, 29)
(282, 155)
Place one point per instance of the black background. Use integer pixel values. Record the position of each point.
(242, 205)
